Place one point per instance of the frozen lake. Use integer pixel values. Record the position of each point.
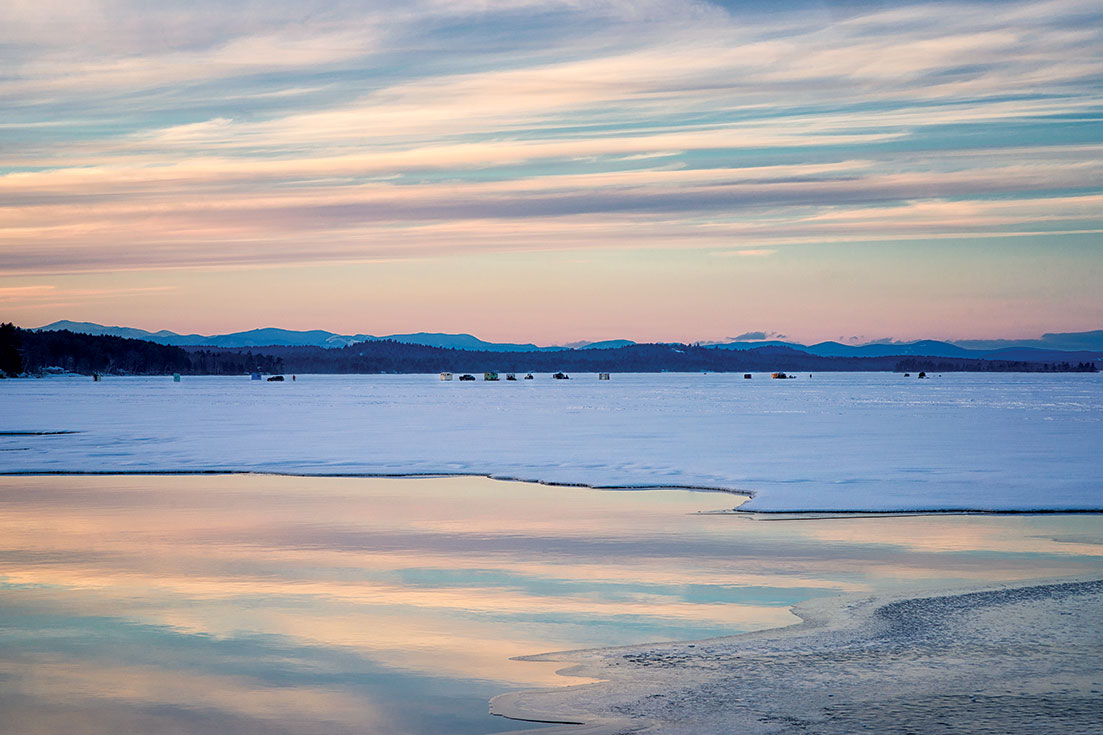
(835, 441)
(237, 604)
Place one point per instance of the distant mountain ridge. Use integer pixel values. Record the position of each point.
(272, 336)
(1050, 347)
(30, 352)
(927, 347)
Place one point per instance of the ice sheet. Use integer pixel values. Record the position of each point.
(855, 441)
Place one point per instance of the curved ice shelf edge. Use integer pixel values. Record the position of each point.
(783, 513)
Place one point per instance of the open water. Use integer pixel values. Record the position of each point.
(274, 604)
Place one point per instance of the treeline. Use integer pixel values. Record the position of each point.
(964, 364)
(387, 356)
(27, 351)
(223, 362)
(24, 351)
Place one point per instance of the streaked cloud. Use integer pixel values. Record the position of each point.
(196, 136)
(747, 253)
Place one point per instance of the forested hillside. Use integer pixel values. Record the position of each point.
(27, 351)
(32, 352)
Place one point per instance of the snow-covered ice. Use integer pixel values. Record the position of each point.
(837, 441)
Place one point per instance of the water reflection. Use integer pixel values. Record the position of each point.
(298, 605)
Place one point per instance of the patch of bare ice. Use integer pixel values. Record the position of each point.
(1012, 659)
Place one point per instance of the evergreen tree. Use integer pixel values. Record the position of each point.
(11, 358)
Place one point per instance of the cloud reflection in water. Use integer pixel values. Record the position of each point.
(248, 603)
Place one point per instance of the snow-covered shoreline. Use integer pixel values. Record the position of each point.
(836, 443)
(1011, 658)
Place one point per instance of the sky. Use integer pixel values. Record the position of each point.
(548, 171)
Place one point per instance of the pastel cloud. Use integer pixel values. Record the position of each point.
(280, 133)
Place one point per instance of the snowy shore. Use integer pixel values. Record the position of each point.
(1011, 659)
(835, 442)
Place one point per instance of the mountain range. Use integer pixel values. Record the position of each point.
(1071, 346)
